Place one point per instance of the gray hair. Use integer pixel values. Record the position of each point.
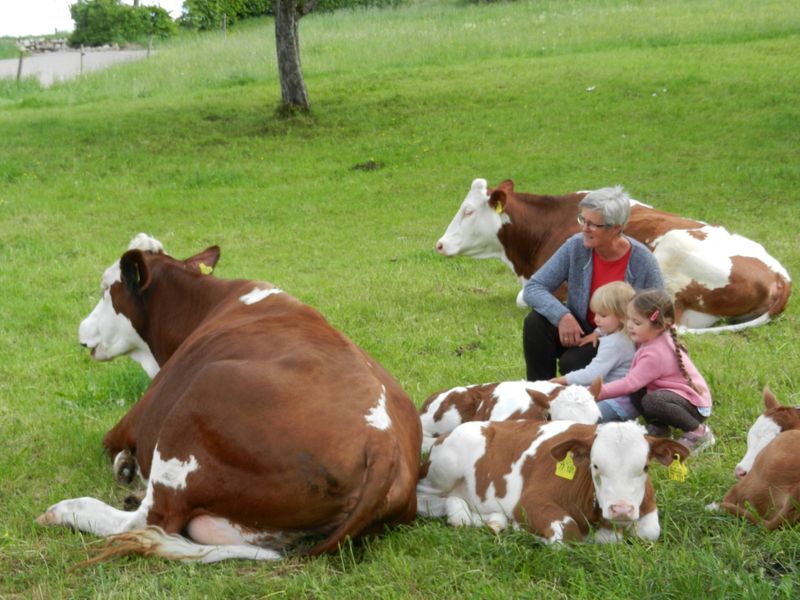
(611, 202)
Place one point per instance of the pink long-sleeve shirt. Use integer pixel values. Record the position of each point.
(655, 367)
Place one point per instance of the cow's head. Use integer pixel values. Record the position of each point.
(577, 403)
(473, 231)
(619, 454)
(114, 327)
(768, 425)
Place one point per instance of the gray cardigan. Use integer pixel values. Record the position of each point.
(572, 263)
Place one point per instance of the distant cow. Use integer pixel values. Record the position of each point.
(533, 400)
(490, 473)
(265, 428)
(768, 490)
(711, 273)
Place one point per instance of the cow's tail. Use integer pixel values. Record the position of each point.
(154, 541)
(758, 321)
(380, 474)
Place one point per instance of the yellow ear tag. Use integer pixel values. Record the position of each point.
(566, 468)
(498, 208)
(677, 470)
(205, 269)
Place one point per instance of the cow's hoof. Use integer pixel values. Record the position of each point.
(125, 467)
(133, 501)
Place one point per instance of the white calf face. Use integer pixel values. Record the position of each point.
(575, 403)
(473, 231)
(619, 459)
(761, 433)
(109, 333)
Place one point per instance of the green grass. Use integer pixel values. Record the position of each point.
(694, 109)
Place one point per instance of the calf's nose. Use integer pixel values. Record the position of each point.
(739, 472)
(621, 511)
(439, 247)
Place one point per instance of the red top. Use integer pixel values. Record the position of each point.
(606, 271)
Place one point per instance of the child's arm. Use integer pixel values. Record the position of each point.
(601, 365)
(645, 369)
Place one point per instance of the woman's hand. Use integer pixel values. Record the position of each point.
(569, 331)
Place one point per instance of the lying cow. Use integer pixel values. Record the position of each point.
(490, 473)
(532, 400)
(711, 273)
(769, 473)
(265, 429)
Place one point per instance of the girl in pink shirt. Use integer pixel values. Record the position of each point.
(666, 387)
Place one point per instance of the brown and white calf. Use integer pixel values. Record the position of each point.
(496, 473)
(768, 490)
(532, 400)
(265, 428)
(711, 274)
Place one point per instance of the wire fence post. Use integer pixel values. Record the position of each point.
(19, 65)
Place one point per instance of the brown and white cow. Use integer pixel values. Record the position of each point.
(493, 473)
(768, 490)
(507, 400)
(265, 428)
(711, 273)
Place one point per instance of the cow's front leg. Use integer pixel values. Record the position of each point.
(554, 525)
(648, 527)
(93, 516)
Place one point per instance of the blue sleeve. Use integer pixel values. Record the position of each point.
(538, 292)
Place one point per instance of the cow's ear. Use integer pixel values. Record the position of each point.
(540, 400)
(580, 448)
(205, 261)
(498, 201)
(506, 185)
(594, 389)
(134, 271)
(770, 401)
(664, 450)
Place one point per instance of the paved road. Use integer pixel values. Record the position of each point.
(54, 66)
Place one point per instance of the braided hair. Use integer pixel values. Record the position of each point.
(657, 307)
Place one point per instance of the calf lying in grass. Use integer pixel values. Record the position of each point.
(556, 479)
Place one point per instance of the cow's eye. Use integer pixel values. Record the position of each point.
(595, 467)
(468, 212)
(646, 467)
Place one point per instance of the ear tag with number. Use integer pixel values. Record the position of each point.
(677, 470)
(205, 269)
(498, 208)
(565, 467)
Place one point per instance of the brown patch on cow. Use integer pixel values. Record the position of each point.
(752, 290)
(466, 403)
(502, 451)
(647, 224)
(698, 234)
(786, 417)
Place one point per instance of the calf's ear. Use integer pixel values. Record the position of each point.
(204, 261)
(770, 401)
(594, 389)
(134, 271)
(580, 448)
(664, 450)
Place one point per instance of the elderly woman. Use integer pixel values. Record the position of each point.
(562, 334)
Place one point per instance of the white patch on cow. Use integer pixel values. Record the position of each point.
(558, 530)
(171, 473)
(473, 230)
(618, 457)
(761, 433)
(108, 333)
(648, 527)
(146, 243)
(575, 403)
(258, 294)
(604, 535)
(378, 417)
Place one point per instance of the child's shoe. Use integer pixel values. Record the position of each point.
(698, 441)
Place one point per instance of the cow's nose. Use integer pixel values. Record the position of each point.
(84, 344)
(439, 247)
(621, 511)
(739, 472)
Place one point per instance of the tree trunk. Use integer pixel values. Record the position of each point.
(287, 42)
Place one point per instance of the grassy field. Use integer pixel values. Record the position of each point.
(691, 105)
